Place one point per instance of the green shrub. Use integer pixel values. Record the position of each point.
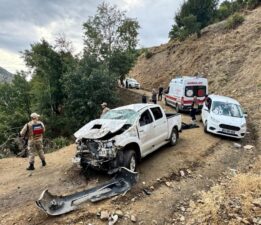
(251, 4)
(59, 142)
(148, 54)
(234, 21)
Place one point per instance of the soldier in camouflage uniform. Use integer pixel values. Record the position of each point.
(35, 130)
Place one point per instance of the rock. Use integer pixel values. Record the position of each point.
(144, 183)
(257, 202)
(113, 219)
(152, 188)
(182, 209)
(245, 221)
(154, 222)
(133, 199)
(248, 147)
(237, 145)
(30, 174)
(168, 184)
(188, 171)
(29, 219)
(119, 213)
(182, 173)
(104, 215)
(133, 218)
(182, 219)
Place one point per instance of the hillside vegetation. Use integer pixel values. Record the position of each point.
(5, 76)
(230, 59)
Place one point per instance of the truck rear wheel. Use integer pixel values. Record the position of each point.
(173, 137)
(130, 160)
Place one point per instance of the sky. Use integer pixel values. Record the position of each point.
(24, 22)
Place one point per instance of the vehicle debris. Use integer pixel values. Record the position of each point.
(57, 205)
(186, 126)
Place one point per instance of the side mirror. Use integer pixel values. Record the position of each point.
(245, 114)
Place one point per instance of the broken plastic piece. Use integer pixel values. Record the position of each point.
(57, 205)
(186, 126)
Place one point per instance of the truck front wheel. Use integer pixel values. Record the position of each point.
(130, 160)
(173, 137)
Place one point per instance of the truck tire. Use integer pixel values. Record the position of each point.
(173, 137)
(130, 160)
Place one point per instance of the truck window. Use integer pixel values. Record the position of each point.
(156, 113)
(145, 118)
(199, 91)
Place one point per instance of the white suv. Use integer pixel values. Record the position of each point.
(224, 116)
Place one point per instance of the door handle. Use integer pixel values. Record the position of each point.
(141, 131)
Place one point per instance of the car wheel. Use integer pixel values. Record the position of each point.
(130, 160)
(173, 137)
(206, 127)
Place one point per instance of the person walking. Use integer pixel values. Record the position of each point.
(144, 98)
(160, 93)
(194, 109)
(35, 130)
(105, 109)
(154, 96)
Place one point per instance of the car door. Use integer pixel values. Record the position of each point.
(206, 109)
(160, 126)
(146, 132)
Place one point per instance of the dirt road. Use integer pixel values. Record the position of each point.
(173, 175)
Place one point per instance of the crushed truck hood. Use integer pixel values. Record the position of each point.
(99, 128)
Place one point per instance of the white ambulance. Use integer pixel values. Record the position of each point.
(182, 90)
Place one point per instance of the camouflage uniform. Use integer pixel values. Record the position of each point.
(35, 141)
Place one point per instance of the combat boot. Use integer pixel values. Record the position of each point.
(43, 163)
(31, 166)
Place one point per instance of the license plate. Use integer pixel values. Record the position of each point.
(228, 131)
(103, 152)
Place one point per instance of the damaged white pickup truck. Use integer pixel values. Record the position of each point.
(123, 136)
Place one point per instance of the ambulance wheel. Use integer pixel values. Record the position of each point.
(166, 103)
(177, 108)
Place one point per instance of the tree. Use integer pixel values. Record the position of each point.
(86, 88)
(108, 35)
(193, 16)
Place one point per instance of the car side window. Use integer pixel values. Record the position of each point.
(157, 113)
(145, 118)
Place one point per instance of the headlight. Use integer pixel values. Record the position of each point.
(243, 125)
(108, 144)
(214, 120)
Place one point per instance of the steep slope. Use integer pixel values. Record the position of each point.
(231, 60)
(5, 76)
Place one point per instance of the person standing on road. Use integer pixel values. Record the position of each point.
(144, 98)
(35, 130)
(160, 93)
(154, 96)
(194, 109)
(105, 109)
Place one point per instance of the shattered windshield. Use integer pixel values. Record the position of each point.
(122, 114)
(227, 109)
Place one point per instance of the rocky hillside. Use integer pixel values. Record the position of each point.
(5, 76)
(230, 59)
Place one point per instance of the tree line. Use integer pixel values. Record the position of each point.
(194, 15)
(67, 90)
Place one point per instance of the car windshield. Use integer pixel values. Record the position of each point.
(121, 114)
(227, 109)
